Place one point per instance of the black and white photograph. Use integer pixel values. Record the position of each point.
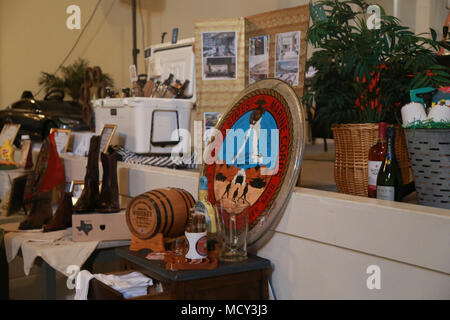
(287, 57)
(219, 55)
(258, 62)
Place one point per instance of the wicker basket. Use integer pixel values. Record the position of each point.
(429, 153)
(352, 142)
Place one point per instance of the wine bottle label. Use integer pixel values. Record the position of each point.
(386, 193)
(197, 245)
(374, 167)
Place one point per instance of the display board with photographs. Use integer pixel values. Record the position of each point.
(106, 135)
(286, 31)
(62, 137)
(258, 62)
(219, 58)
(256, 53)
(9, 131)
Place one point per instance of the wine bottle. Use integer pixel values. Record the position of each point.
(376, 157)
(205, 208)
(169, 80)
(155, 89)
(173, 89)
(182, 89)
(165, 86)
(389, 180)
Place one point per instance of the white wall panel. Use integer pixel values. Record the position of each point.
(305, 269)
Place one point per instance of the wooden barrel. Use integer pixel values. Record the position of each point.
(164, 210)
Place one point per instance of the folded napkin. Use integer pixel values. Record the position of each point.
(130, 285)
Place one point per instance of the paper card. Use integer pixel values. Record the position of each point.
(287, 57)
(133, 73)
(76, 187)
(62, 137)
(258, 62)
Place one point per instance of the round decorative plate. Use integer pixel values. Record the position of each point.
(253, 157)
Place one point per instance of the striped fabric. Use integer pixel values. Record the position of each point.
(166, 161)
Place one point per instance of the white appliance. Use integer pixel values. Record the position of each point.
(150, 125)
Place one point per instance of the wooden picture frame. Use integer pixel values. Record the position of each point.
(76, 188)
(62, 141)
(16, 195)
(106, 135)
(68, 186)
(24, 151)
(9, 131)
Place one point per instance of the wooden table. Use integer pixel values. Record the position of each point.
(241, 280)
(104, 252)
(4, 271)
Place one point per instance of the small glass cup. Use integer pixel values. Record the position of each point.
(178, 246)
(233, 229)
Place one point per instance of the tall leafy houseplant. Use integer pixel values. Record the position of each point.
(71, 79)
(365, 75)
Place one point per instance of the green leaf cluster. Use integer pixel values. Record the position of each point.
(347, 52)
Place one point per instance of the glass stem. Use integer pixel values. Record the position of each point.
(233, 235)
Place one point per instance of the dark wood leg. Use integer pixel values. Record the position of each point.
(4, 271)
(49, 281)
(265, 284)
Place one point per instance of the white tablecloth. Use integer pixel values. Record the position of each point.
(56, 248)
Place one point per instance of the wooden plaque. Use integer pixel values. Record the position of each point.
(254, 157)
(214, 95)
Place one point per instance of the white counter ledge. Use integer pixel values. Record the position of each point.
(325, 241)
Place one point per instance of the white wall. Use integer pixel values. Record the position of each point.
(34, 37)
(325, 242)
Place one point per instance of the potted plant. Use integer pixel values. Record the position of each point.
(71, 79)
(364, 76)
